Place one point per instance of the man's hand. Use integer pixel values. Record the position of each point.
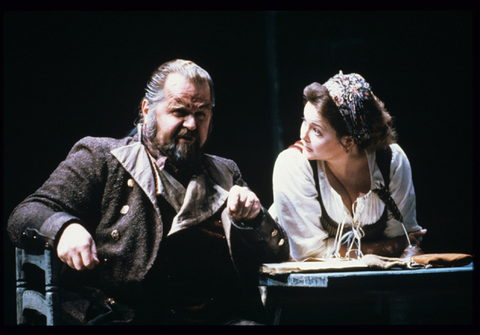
(76, 247)
(243, 204)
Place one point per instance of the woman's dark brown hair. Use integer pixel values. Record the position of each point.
(379, 120)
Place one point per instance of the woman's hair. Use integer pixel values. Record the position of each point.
(379, 120)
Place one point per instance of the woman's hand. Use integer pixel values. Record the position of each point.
(414, 236)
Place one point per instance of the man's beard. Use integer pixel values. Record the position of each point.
(182, 155)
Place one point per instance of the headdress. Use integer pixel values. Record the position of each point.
(349, 92)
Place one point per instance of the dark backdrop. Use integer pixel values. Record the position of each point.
(73, 74)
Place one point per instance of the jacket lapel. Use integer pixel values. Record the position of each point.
(134, 158)
(214, 192)
(202, 199)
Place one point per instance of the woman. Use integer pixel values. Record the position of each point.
(329, 188)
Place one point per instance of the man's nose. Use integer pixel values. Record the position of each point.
(189, 122)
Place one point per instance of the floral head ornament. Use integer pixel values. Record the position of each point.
(349, 92)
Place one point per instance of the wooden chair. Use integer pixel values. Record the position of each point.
(35, 293)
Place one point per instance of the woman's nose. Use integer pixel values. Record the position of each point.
(304, 132)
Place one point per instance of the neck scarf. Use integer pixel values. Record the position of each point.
(349, 92)
(194, 196)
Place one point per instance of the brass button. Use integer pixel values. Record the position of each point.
(110, 301)
(280, 243)
(130, 183)
(115, 235)
(274, 233)
(124, 209)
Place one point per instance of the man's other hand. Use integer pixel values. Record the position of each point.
(243, 204)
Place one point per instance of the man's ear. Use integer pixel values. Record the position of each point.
(145, 108)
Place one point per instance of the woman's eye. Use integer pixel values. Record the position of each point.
(315, 130)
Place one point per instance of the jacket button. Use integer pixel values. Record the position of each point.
(115, 235)
(124, 209)
(280, 243)
(130, 183)
(274, 233)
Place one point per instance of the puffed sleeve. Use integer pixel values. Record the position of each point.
(403, 193)
(296, 206)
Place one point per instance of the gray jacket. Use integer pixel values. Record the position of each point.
(108, 185)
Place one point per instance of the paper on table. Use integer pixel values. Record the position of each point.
(311, 265)
(319, 265)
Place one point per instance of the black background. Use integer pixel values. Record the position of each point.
(73, 74)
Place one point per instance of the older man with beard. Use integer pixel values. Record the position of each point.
(153, 230)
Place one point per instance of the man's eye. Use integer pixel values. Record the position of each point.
(179, 112)
(200, 115)
(316, 132)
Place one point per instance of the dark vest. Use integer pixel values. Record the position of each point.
(193, 280)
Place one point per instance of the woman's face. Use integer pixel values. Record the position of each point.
(319, 139)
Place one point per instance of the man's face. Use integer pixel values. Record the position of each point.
(182, 118)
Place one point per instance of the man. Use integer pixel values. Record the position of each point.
(153, 230)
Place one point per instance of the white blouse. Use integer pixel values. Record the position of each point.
(298, 211)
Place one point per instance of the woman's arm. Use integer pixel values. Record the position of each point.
(392, 247)
(403, 193)
(297, 207)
